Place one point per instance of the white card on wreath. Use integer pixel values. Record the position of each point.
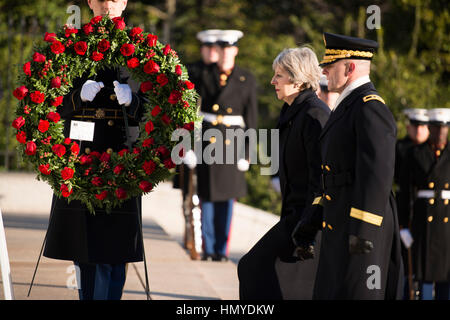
(82, 130)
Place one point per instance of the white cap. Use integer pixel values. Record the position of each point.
(439, 115)
(417, 115)
(229, 37)
(208, 36)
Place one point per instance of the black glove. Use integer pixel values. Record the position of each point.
(359, 246)
(305, 231)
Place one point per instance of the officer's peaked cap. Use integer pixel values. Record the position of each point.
(229, 37)
(208, 37)
(417, 116)
(439, 116)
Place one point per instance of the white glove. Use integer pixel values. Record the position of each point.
(190, 159)
(406, 237)
(123, 93)
(243, 165)
(276, 184)
(90, 89)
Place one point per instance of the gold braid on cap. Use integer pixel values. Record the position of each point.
(333, 54)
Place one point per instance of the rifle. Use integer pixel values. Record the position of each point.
(191, 212)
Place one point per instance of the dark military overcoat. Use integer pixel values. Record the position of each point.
(430, 228)
(268, 270)
(73, 232)
(358, 151)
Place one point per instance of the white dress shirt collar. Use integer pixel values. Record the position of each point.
(352, 86)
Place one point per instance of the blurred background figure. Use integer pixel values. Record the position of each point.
(228, 101)
(424, 207)
(416, 133)
(325, 95)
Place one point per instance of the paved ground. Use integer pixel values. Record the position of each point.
(25, 204)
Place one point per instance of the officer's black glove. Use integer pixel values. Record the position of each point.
(305, 231)
(359, 246)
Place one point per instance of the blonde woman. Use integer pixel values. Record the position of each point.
(269, 270)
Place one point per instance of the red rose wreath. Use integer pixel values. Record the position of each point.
(101, 179)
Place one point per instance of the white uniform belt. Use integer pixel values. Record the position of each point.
(445, 194)
(223, 119)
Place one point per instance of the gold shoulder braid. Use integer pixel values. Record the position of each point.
(373, 97)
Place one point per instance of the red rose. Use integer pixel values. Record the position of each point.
(30, 149)
(21, 137)
(178, 70)
(54, 117)
(121, 193)
(165, 118)
(95, 154)
(166, 49)
(149, 167)
(65, 191)
(137, 150)
(45, 169)
(189, 85)
(102, 195)
(122, 152)
(118, 169)
(189, 126)
(37, 57)
(163, 151)
(69, 31)
(67, 141)
(56, 82)
(105, 157)
(59, 150)
(152, 40)
(75, 148)
(174, 97)
(96, 19)
(156, 110)
(146, 86)
(57, 101)
(86, 159)
(168, 163)
(97, 181)
(151, 67)
(119, 23)
(162, 79)
(97, 56)
(18, 122)
(50, 37)
(57, 47)
(67, 173)
(37, 97)
(127, 49)
(148, 142)
(135, 31)
(149, 127)
(88, 28)
(103, 45)
(27, 68)
(43, 125)
(145, 186)
(133, 63)
(80, 47)
(20, 92)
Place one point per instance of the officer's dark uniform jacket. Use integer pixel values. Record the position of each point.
(73, 232)
(220, 182)
(430, 228)
(358, 151)
(278, 275)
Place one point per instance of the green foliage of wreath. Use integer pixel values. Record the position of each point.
(102, 180)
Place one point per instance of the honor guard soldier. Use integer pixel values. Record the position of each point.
(360, 252)
(228, 102)
(100, 245)
(417, 133)
(425, 185)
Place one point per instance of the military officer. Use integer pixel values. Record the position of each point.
(360, 251)
(100, 245)
(417, 133)
(228, 101)
(425, 181)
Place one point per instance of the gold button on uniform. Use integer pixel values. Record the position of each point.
(220, 118)
(324, 224)
(328, 197)
(229, 110)
(215, 107)
(113, 97)
(87, 150)
(430, 218)
(110, 123)
(446, 186)
(438, 153)
(431, 201)
(446, 201)
(330, 227)
(327, 168)
(214, 123)
(100, 113)
(431, 185)
(109, 151)
(445, 219)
